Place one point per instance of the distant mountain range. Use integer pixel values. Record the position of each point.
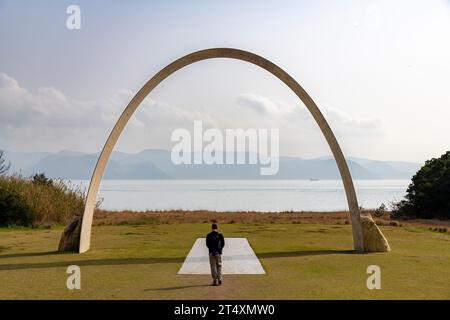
(157, 164)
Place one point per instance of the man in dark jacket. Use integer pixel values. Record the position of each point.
(215, 243)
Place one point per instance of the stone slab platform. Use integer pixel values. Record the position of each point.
(237, 258)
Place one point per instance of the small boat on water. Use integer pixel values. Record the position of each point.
(313, 179)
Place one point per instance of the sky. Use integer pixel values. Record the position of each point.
(378, 70)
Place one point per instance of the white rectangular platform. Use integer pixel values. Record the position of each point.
(237, 258)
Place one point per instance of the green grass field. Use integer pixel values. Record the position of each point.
(302, 261)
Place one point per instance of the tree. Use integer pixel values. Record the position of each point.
(40, 178)
(428, 195)
(13, 210)
(4, 166)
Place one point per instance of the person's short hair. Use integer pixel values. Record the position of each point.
(214, 226)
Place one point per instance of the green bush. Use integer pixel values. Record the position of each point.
(428, 196)
(44, 201)
(381, 211)
(41, 179)
(13, 211)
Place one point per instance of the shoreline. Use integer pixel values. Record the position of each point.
(120, 217)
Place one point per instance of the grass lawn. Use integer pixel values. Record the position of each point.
(302, 261)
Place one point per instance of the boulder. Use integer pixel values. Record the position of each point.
(70, 239)
(374, 240)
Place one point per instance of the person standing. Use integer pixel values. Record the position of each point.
(215, 243)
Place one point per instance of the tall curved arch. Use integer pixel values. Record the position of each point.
(85, 237)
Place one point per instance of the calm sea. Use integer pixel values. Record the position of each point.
(246, 195)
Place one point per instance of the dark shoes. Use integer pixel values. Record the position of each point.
(217, 283)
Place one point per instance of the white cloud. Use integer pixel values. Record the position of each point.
(339, 120)
(265, 105)
(20, 107)
(163, 114)
(45, 119)
(7, 82)
(350, 124)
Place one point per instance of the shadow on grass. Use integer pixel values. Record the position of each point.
(92, 262)
(28, 254)
(304, 253)
(139, 261)
(179, 287)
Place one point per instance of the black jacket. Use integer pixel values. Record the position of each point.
(215, 242)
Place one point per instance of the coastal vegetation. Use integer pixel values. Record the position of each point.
(36, 201)
(428, 195)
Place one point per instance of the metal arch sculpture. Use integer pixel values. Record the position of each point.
(85, 236)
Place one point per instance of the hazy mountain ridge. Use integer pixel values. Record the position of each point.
(157, 164)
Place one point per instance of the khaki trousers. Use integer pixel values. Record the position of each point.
(215, 263)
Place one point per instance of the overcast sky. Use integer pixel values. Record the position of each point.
(378, 70)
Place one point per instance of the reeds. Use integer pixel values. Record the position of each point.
(50, 201)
